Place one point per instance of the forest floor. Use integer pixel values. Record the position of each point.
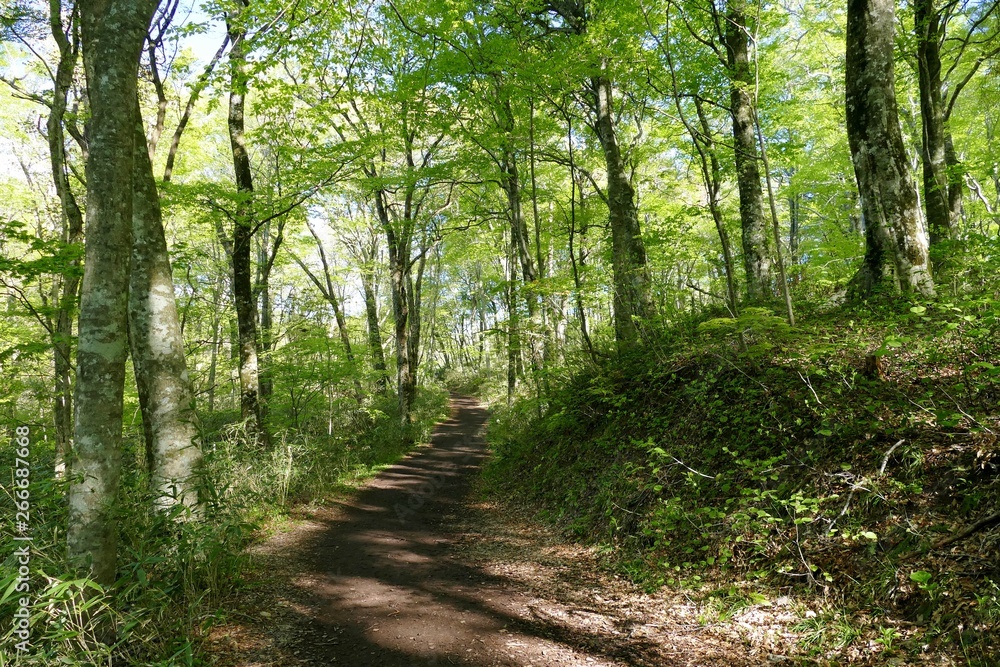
(415, 569)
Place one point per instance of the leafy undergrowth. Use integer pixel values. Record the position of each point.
(838, 464)
(177, 573)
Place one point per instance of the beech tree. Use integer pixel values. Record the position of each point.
(742, 107)
(240, 246)
(66, 35)
(112, 35)
(166, 397)
(935, 136)
(893, 224)
(632, 304)
(943, 73)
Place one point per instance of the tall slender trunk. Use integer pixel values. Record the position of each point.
(956, 181)
(481, 347)
(364, 249)
(547, 314)
(374, 333)
(513, 321)
(577, 263)
(112, 35)
(520, 256)
(72, 233)
(415, 296)
(214, 360)
(778, 256)
(434, 340)
(711, 172)
(756, 248)
(266, 316)
(399, 286)
(518, 227)
(632, 307)
(62, 354)
(242, 241)
(934, 153)
(888, 194)
(794, 222)
(712, 175)
(166, 397)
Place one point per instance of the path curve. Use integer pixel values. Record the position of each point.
(383, 580)
(387, 584)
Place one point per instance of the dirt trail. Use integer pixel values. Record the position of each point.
(392, 578)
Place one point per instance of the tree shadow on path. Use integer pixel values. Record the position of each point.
(384, 585)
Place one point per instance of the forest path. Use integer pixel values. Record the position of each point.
(411, 571)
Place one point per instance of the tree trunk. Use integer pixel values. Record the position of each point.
(112, 35)
(399, 282)
(521, 244)
(374, 333)
(214, 360)
(794, 222)
(712, 175)
(364, 249)
(575, 263)
(518, 226)
(481, 347)
(166, 397)
(243, 296)
(956, 179)
(631, 278)
(927, 23)
(778, 256)
(513, 321)
(888, 195)
(545, 302)
(756, 250)
(72, 222)
(266, 321)
(632, 305)
(415, 296)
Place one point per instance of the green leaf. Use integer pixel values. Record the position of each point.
(10, 589)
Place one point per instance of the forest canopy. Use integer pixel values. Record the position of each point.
(247, 229)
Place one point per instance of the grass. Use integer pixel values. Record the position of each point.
(177, 573)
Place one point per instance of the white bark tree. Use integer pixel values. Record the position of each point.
(112, 35)
(888, 193)
(166, 397)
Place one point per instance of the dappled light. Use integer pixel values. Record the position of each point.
(499, 333)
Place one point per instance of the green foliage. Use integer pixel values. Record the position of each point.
(757, 329)
(722, 604)
(785, 464)
(176, 570)
(828, 631)
(731, 442)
